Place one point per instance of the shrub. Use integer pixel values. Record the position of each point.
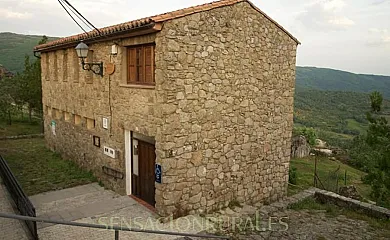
(292, 175)
(309, 133)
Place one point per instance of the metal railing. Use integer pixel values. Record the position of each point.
(22, 202)
(116, 229)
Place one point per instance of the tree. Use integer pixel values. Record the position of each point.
(376, 101)
(373, 152)
(6, 101)
(28, 85)
(308, 133)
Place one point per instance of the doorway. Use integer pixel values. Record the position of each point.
(140, 167)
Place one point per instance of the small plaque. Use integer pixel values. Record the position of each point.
(110, 68)
(158, 173)
(96, 141)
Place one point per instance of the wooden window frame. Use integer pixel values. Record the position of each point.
(139, 66)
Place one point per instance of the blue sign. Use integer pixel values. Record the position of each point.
(158, 173)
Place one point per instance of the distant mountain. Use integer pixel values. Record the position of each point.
(335, 80)
(13, 48)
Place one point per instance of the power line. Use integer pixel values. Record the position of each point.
(80, 18)
(71, 16)
(70, 5)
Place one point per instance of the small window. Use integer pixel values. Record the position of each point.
(68, 116)
(49, 111)
(141, 65)
(90, 123)
(57, 113)
(77, 119)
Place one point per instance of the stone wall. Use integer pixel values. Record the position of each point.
(80, 93)
(221, 111)
(225, 82)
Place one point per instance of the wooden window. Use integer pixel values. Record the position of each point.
(141, 65)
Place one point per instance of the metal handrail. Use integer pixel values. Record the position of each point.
(17, 194)
(115, 228)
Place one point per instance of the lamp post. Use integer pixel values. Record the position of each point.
(82, 52)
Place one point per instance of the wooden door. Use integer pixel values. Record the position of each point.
(143, 184)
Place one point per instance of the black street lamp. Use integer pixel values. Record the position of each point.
(82, 52)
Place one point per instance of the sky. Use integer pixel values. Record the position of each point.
(351, 35)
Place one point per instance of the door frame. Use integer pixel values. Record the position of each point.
(129, 136)
(129, 160)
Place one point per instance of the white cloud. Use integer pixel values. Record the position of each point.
(378, 37)
(386, 39)
(324, 15)
(7, 13)
(341, 21)
(333, 5)
(376, 30)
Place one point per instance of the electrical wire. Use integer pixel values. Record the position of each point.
(71, 16)
(79, 17)
(70, 5)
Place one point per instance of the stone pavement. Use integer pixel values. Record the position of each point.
(93, 204)
(9, 228)
(316, 224)
(78, 203)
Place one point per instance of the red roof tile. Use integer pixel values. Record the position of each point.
(105, 31)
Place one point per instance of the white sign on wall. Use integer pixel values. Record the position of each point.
(105, 123)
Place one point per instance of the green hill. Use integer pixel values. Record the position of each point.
(342, 112)
(336, 80)
(13, 48)
(332, 101)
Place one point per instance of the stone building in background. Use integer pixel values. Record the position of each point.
(4, 73)
(194, 108)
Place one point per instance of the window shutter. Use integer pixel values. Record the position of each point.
(140, 60)
(149, 62)
(140, 65)
(132, 61)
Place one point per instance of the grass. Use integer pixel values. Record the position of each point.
(19, 128)
(352, 124)
(332, 210)
(40, 170)
(305, 172)
(20, 125)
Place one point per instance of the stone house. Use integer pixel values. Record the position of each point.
(203, 95)
(4, 73)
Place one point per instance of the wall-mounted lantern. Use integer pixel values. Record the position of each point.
(82, 52)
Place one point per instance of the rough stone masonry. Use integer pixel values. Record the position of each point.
(221, 110)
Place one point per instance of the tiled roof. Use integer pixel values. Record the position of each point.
(132, 25)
